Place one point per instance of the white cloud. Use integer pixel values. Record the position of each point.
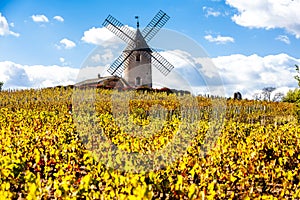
(67, 44)
(13, 75)
(210, 12)
(4, 27)
(106, 57)
(283, 38)
(190, 73)
(90, 72)
(96, 58)
(100, 36)
(177, 57)
(268, 14)
(45, 76)
(248, 74)
(62, 60)
(37, 76)
(39, 18)
(58, 18)
(219, 39)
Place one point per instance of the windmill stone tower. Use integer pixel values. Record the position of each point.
(139, 72)
(137, 59)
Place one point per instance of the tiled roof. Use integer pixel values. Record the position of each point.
(101, 79)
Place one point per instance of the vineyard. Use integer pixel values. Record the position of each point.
(64, 143)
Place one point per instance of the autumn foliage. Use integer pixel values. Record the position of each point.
(45, 155)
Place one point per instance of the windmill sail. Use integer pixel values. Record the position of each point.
(119, 29)
(137, 58)
(119, 64)
(159, 62)
(155, 25)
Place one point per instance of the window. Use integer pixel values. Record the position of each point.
(138, 57)
(138, 81)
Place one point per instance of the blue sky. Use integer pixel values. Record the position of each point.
(253, 44)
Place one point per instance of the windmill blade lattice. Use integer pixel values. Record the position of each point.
(120, 63)
(119, 29)
(155, 25)
(159, 62)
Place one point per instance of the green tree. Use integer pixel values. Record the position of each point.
(297, 77)
(1, 84)
(292, 96)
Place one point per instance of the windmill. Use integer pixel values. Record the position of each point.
(137, 58)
